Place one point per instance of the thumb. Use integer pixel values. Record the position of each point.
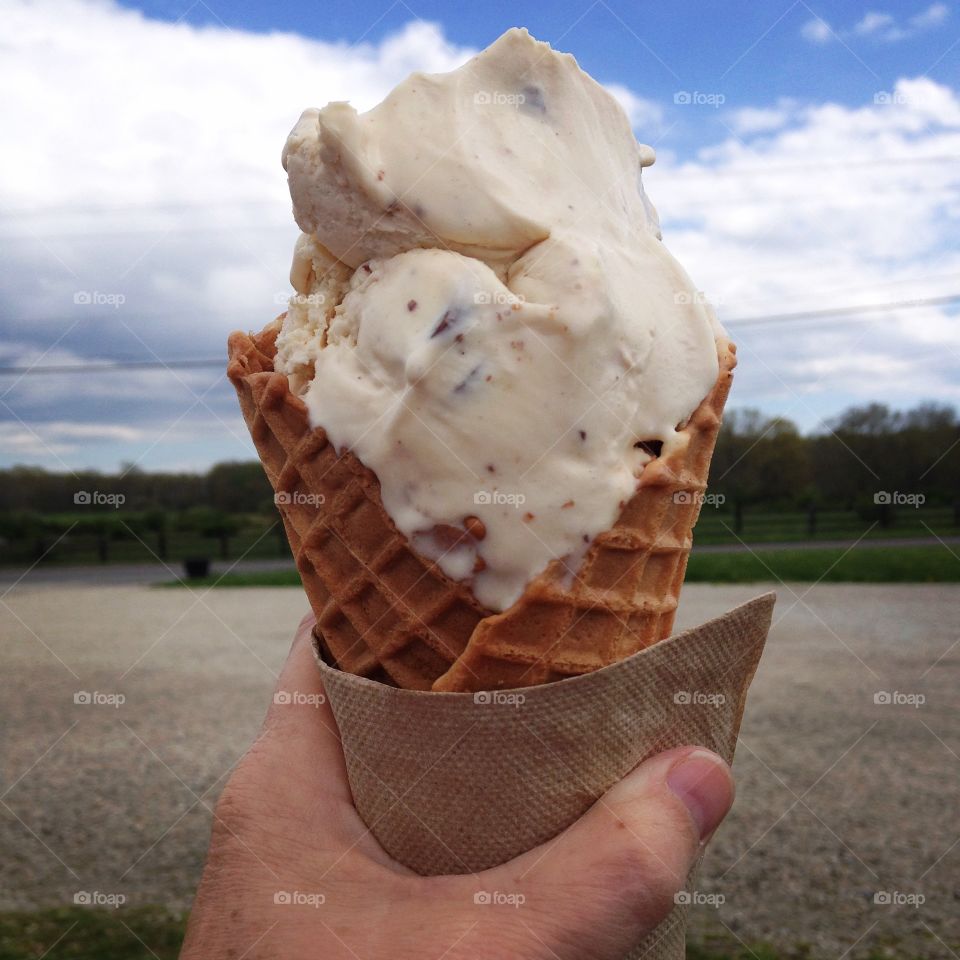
(611, 877)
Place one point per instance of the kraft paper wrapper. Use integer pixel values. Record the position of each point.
(458, 782)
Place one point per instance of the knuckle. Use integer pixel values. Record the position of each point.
(232, 812)
(241, 803)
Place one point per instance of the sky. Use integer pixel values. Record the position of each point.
(808, 167)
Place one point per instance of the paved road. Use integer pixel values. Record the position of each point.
(840, 794)
(118, 574)
(825, 544)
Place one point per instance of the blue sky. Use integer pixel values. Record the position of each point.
(753, 52)
(817, 167)
(697, 43)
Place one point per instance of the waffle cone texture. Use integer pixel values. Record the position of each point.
(387, 613)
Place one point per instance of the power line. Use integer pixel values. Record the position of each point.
(160, 206)
(845, 311)
(287, 226)
(858, 288)
(881, 163)
(115, 366)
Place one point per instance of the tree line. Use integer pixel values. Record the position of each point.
(854, 462)
(869, 459)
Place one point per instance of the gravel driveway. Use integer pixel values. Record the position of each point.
(840, 797)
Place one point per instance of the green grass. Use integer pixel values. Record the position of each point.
(717, 526)
(714, 527)
(934, 564)
(80, 933)
(81, 549)
(728, 949)
(725, 947)
(265, 578)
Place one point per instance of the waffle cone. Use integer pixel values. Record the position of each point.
(385, 612)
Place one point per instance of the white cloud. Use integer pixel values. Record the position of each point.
(878, 25)
(64, 445)
(643, 114)
(933, 16)
(141, 160)
(873, 22)
(149, 112)
(839, 206)
(145, 162)
(816, 31)
(47, 440)
(750, 120)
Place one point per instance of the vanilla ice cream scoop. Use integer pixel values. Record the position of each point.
(485, 314)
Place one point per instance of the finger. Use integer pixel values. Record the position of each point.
(294, 777)
(615, 872)
(300, 729)
(299, 678)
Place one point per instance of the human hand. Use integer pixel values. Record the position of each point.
(285, 828)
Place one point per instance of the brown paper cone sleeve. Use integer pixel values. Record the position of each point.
(458, 782)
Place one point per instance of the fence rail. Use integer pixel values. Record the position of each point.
(266, 539)
(760, 526)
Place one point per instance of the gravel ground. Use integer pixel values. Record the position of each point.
(839, 797)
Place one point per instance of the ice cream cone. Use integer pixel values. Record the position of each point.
(385, 612)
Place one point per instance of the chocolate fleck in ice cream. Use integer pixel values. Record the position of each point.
(524, 383)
